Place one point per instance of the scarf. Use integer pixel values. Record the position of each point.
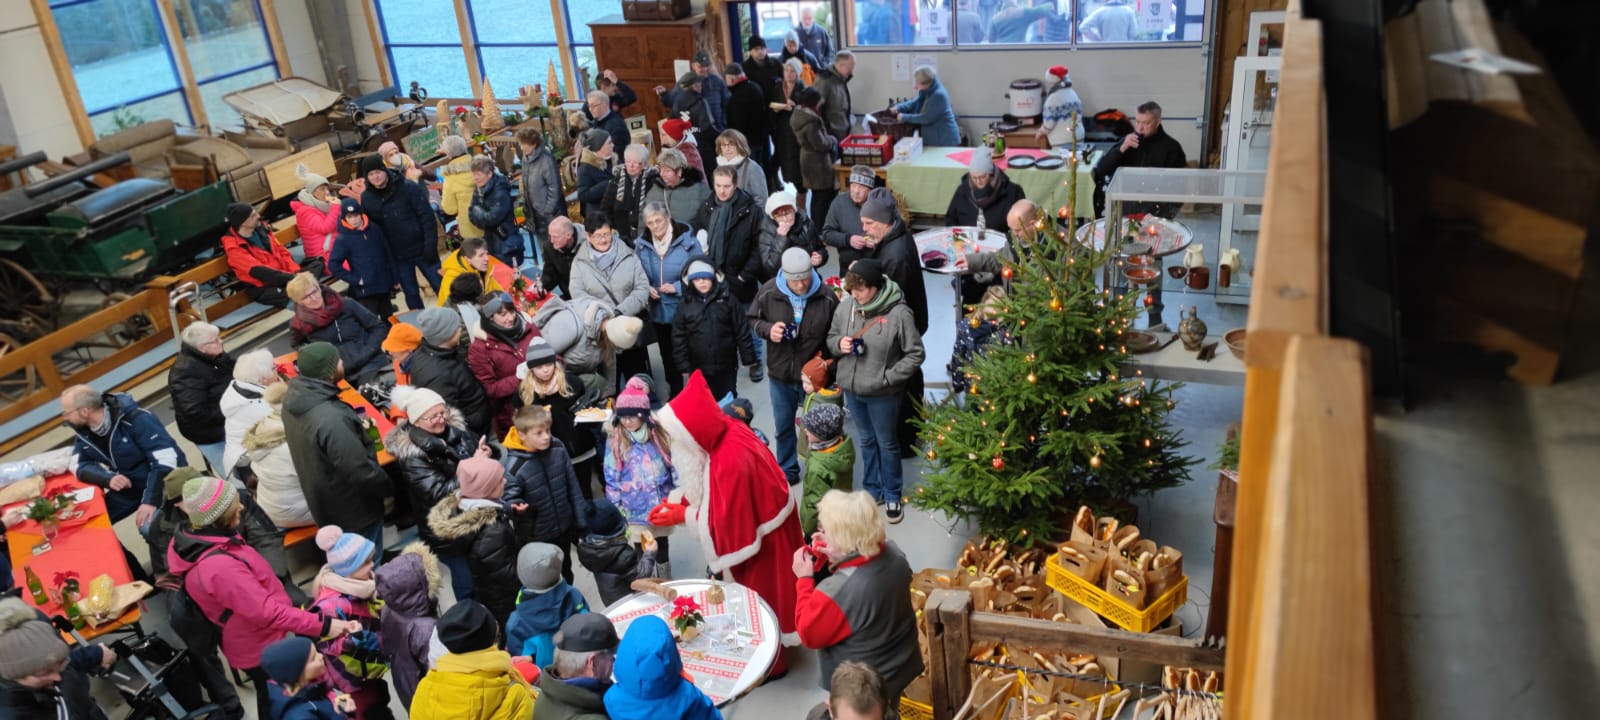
(605, 260)
(798, 302)
(889, 295)
(721, 219)
(360, 589)
(307, 197)
(986, 196)
(825, 445)
(641, 436)
(260, 239)
(662, 244)
(511, 335)
(104, 428)
(307, 321)
(726, 161)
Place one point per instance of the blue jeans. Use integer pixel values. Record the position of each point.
(406, 273)
(213, 455)
(786, 399)
(877, 420)
(460, 575)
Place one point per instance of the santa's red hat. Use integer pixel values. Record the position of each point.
(676, 128)
(697, 410)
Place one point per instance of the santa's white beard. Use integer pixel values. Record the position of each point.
(691, 461)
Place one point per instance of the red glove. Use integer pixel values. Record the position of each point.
(668, 514)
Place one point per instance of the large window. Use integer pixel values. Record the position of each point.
(1032, 22)
(512, 41)
(228, 49)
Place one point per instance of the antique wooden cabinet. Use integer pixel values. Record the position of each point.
(641, 53)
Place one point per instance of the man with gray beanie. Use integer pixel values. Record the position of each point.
(336, 461)
(791, 313)
(441, 367)
(573, 687)
(39, 676)
(842, 227)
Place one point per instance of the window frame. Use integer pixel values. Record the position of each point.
(472, 49)
(846, 11)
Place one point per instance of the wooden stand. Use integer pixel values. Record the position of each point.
(1222, 569)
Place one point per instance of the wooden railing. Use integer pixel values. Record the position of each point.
(1300, 629)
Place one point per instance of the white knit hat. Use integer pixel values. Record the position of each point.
(414, 401)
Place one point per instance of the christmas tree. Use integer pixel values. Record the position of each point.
(1050, 416)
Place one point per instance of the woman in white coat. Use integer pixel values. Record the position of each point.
(242, 403)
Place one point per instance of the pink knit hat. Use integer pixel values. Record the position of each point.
(481, 478)
(633, 400)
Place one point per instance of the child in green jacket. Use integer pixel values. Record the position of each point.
(831, 464)
(816, 379)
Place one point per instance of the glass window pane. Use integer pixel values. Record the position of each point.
(1115, 21)
(515, 21)
(582, 12)
(585, 54)
(883, 22)
(420, 21)
(218, 113)
(442, 70)
(509, 68)
(221, 36)
(1045, 21)
(121, 118)
(118, 53)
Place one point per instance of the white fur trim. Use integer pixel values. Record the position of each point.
(725, 562)
(790, 639)
(676, 496)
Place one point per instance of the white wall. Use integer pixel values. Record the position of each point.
(1121, 78)
(38, 112)
(299, 41)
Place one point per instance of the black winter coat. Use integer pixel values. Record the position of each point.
(1156, 150)
(802, 234)
(447, 373)
(898, 253)
(361, 259)
(557, 270)
(485, 537)
(594, 176)
(708, 329)
(403, 209)
(748, 113)
(72, 692)
(735, 254)
(615, 562)
(578, 441)
(763, 74)
(784, 359)
(356, 332)
(614, 126)
(547, 483)
(625, 199)
(429, 462)
(197, 382)
(335, 460)
(996, 203)
(493, 210)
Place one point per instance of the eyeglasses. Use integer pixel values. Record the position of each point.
(437, 416)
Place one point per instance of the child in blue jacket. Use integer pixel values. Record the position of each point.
(360, 257)
(544, 603)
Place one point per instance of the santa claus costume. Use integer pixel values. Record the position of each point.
(737, 499)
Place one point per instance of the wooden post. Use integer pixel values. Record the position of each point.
(955, 614)
(1222, 515)
(63, 68)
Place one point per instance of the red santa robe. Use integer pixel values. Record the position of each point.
(738, 500)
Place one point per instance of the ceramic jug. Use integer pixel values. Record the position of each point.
(1194, 257)
(1191, 330)
(1232, 259)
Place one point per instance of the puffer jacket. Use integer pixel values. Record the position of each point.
(494, 363)
(994, 203)
(498, 278)
(572, 328)
(258, 260)
(594, 174)
(625, 198)
(683, 201)
(316, 226)
(409, 587)
(334, 460)
(546, 482)
(429, 462)
(816, 149)
(493, 210)
(456, 196)
(893, 347)
(480, 685)
(445, 372)
(243, 405)
(561, 700)
(624, 286)
(639, 476)
(197, 382)
(578, 441)
(660, 269)
(532, 627)
(484, 536)
(542, 199)
(237, 581)
(361, 259)
(802, 234)
(835, 89)
(332, 603)
(402, 208)
(355, 331)
(616, 562)
(775, 304)
(313, 702)
(650, 682)
(138, 448)
(735, 254)
(931, 112)
(709, 333)
(277, 485)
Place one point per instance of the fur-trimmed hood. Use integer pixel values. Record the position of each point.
(268, 433)
(409, 584)
(400, 444)
(452, 524)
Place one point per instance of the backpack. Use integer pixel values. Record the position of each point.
(187, 619)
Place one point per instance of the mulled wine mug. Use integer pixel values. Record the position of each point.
(1199, 278)
(857, 346)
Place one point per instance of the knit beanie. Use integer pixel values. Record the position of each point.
(818, 370)
(403, 337)
(779, 200)
(349, 206)
(675, 128)
(733, 70)
(594, 139)
(981, 164)
(623, 331)
(755, 41)
(863, 175)
(700, 269)
(702, 58)
(285, 660)
(414, 401)
(467, 627)
(372, 162)
(633, 400)
(312, 180)
(439, 324)
(867, 271)
(481, 478)
(540, 353)
(318, 360)
(740, 409)
(206, 499)
(796, 264)
(539, 566)
(879, 206)
(28, 645)
(497, 302)
(172, 484)
(603, 518)
(824, 421)
(809, 97)
(347, 552)
(238, 213)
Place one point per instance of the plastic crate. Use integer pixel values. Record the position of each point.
(913, 710)
(871, 150)
(1103, 604)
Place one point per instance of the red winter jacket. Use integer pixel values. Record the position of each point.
(239, 581)
(243, 257)
(316, 227)
(494, 363)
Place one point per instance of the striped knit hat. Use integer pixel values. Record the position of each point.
(347, 552)
(633, 400)
(207, 499)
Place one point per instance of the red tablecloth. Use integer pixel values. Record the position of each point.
(351, 397)
(83, 550)
(965, 156)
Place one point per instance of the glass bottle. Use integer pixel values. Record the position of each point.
(35, 588)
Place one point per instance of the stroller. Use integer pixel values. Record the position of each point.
(144, 664)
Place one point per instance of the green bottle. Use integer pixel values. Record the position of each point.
(35, 588)
(376, 437)
(69, 603)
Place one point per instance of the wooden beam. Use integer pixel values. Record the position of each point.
(1018, 632)
(954, 616)
(378, 54)
(469, 47)
(569, 61)
(280, 54)
(938, 650)
(63, 67)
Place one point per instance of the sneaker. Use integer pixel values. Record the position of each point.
(895, 512)
(757, 373)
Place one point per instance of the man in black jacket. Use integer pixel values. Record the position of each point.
(730, 221)
(200, 374)
(439, 366)
(402, 209)
(557, 249)
(40, 677)
(748, 113)
(1147, 146)
(597, 107)
(335, 459)
(791, 313)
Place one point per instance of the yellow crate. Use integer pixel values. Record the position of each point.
(1103, 604)
(913, 710)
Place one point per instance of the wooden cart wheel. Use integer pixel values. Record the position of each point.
(24, 297)
(124, 333)
(19, 384)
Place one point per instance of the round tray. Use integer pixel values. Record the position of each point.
(940, 240)
(1139, 342)
(1141, 274)
(1170, 236)
(1020, 162)
(1049, 163)
(724, 667)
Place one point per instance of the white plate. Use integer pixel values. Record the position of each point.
(582, 419)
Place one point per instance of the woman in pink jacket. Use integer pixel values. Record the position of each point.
(316, 210)
(234, 587)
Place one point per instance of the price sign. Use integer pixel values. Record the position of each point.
(423, 144)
